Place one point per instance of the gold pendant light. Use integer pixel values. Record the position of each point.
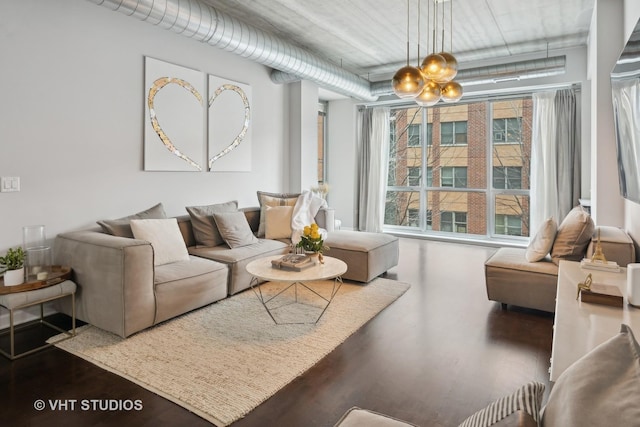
(408, 81)
(451, 91)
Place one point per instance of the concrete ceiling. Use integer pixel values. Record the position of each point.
(369, 37)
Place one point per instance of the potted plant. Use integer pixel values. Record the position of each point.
(13, 262)
(312, 243)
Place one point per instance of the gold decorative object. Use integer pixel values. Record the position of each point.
(584, 286)
(598, 255)
(408, 81)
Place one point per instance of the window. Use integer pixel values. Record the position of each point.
(322, 141)
(414, 217)
(414, 135)
(453, 133)
(507, 177)
(455, 176)
(507, 130)
(414, 177)
(429, 134)
(429, 176)
(453, 222)
(509, 225)
(429, 219)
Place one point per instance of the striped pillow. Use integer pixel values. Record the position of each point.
(528, 399)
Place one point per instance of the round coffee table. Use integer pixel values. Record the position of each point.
(303, 284)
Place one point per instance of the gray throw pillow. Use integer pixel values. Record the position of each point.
(122, 228)
(573, 236)
(273, 199)
(600, 389)
(235, 229)
(205, 230)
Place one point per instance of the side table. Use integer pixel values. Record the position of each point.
(23, 299)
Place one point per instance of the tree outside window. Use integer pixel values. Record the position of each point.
(414, 177)
(414, 135)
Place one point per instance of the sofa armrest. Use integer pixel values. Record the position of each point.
(616, 245)
(114, 277)
(326, 218)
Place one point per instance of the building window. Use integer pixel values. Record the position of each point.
(453, 176)
(453, 222)
(429, 219)
(507, 131)
(429, 176)
(413, 217)
(414, 177)
(507, 177)
(509, 225)
(414, 135)
(429, 134)
(453, 133)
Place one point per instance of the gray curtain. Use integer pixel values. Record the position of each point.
(568, 151)
(363, 128)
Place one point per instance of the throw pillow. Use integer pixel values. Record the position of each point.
(205, 230)
(356, 417)
(121, 228)
(526, 399)
(600, 389)
(573, 236)
(278, 222)
(165, 238)
(542, 242)
(235, 229)
(273, 199)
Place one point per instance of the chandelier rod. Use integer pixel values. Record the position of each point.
(408, 17)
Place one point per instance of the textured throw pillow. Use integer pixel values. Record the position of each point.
(273, 199)
(542, 242)
(600, 389)
(121, 228)
(527, 399)
(278, 222)
(573, 236)
(165, 238)
(205, 230)
(234, 229)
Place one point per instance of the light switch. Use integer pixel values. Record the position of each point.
(9, 183)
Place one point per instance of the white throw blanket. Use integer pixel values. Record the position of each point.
(304, 213)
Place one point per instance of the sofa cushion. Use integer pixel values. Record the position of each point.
(234, 229)
(121, 227)
(273, 199)
(600, 389)
(527, 399)
(542, 242)
(356, 417)
(573, 236)
(278, 222)
(165, 238)
(204, 226)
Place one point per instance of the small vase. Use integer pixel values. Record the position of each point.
(14, 277)
(316, 257)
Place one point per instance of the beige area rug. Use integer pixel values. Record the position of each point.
(225, 359)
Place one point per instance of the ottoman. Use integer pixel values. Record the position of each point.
(367, 255)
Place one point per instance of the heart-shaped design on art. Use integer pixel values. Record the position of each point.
(245, 126)
(157, 86)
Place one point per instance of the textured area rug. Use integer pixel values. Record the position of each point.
(225, 359)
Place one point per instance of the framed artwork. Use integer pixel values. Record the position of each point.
(174, 117)
(229, 126)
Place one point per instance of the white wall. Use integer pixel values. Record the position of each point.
(72, 115)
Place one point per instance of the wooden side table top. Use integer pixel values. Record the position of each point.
(58, 274)
(579, 326)
(262, 269)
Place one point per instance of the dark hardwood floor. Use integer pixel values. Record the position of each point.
(433, 357)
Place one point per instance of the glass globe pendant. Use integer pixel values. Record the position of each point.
(430, 95)
(433, 66)
(451, 92)
(407, 82)
(450, 70)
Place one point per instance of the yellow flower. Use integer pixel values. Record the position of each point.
(315, 234)
(307, 230)
(314, 226)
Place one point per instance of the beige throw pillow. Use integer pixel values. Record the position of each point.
(542, 242)
(121, 228)
(235, 229)
(573, 236)
(205, 230)
(600, 389)
(278, 222)
(165, 238)
(273, 199)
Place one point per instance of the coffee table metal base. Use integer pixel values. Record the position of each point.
(268, 301)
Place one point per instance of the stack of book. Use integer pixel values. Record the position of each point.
(295, 262)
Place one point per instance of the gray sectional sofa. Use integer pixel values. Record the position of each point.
(121, 290)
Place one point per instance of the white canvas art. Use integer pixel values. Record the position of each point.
(229, 129)
(174, 118)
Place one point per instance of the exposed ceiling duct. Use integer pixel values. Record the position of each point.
(194, 19)
(200, 21)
